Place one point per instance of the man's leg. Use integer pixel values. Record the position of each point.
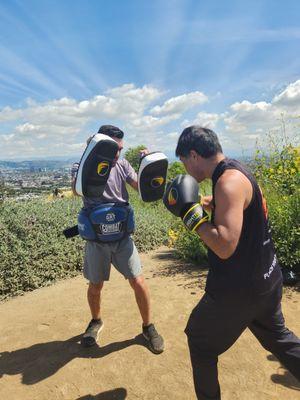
(127, 261)
(213, 327)
(205, 372)
(94, 298)
(142, 297)
(96, 270)
(155, 341)
(269, 328)
(95, 326)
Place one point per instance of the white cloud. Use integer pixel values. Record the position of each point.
(204, 119)
(27, 128)
(147, 122)
(290, 97)
(247, 121)
(59, 126)
(180, 104)
(172, 135)
(9, 114)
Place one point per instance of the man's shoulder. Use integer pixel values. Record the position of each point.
(232, 177)
(124, 164)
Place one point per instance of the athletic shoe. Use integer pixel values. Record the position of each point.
(91, 333)
(155, 341)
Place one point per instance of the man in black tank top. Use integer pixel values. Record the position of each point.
(244, 284)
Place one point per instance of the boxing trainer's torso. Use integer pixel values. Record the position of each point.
(253, 267)
(115, 189)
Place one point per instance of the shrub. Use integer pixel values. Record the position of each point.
(133, 156)
(34, 252)
(280, 169)
(188, 246)
(284, 215)
(278, 173)
(175, 168)
(152, 223)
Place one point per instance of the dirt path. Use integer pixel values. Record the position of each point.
(41, 358)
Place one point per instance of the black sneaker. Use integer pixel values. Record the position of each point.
(91, 333)
(155, 341)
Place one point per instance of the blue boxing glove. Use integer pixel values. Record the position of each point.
(181, 198)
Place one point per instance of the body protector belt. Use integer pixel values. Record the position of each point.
(107, 222)
(152, 176)
(95, 166)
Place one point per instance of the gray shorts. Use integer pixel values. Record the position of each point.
(99, 257)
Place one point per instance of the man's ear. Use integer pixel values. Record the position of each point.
(193, 154)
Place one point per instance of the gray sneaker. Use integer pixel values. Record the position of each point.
(155, 341)
(91, 333)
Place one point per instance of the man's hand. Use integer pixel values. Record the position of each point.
(207, 203)
(144, 152)
(182, 199)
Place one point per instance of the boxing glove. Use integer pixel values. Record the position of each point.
(181, 198)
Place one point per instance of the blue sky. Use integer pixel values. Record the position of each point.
(151, 67)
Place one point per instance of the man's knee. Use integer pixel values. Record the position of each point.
(95, 288)
(138, 283)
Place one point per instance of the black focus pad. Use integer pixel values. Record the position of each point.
(152, 176)
(95, 166)
(180, 194)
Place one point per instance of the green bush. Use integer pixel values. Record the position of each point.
(284, 215)
(133, 156)
(279, 169)
(175, 168)
(152, 223)
(34, 252)
(278, 173)
(188, 246)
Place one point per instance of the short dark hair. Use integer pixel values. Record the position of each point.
(203, 140)
(111, 131)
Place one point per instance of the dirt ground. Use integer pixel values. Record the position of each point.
(41, 358)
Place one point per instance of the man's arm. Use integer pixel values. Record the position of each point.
(133, 182)
(74, 171)
(233, 193)
(73, 188)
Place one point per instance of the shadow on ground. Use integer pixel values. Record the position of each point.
(288, 290)
(115, 394)
(42, 360)
(195, 275)
(284, 378)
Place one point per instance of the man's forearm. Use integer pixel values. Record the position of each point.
(134, 184)
(73, 188)
(216, 239)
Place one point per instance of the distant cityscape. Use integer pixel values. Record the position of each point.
(23, 180)
(28, 179)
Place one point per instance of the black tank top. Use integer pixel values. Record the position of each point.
(253, 267)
